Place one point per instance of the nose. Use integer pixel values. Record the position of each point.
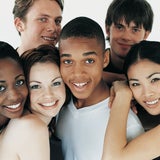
(52, 27)
(48, 92)
(14, 94)
(147, 91)
(126, 35)
(78, 69)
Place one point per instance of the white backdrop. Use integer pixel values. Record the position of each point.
(95, 9)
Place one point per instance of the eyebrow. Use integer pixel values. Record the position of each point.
(33, 81)
(132, 26)
(3, 81)
(19, 76)
(153, 74)
(132, 79)
(84, 54)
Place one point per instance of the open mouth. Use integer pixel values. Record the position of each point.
(48, 104)
(152, 102)
(49, 38)
(80, 84)
(15, 106)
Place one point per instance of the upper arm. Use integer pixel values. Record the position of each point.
(110, 77)
(134, 126)
(33, 140)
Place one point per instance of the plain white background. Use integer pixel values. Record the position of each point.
(95, 9)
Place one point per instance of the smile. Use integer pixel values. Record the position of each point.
(49, 104)
(152, 102)
(14, 106)
(49, 39)
(80, 84)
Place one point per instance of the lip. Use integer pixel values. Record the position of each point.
(49, 105)
(50, 39)
(152, 103)
(80, 85)
(14, 107)
(125, 45)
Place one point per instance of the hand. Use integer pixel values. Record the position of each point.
(121, 89)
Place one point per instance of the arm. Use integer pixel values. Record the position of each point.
(144, 147)
(110, 77)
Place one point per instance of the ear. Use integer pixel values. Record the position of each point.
(19, 24)
(146, 34)
(106, 58)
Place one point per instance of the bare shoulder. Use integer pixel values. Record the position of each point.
(30, 121)
(26, 134)
(27, 126)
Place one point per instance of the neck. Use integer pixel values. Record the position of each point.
(117, 61)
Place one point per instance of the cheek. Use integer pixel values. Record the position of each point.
(61, 92)
(33, 96)
(136, 94)
(64, 73)
(25, 92)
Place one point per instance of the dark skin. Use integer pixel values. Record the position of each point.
(13, 91)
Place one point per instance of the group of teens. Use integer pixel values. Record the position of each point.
(66, 102)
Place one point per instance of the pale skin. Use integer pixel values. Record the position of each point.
(42, 25)
(122, 36)
(28, 137)
(144, 84)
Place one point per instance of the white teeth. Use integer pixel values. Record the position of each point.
(152, 102)
(49, 39)
(14, 106)
(80, 84)
(48, 104)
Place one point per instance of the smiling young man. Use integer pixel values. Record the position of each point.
(127, 22)
(38, 22)
(81, 124)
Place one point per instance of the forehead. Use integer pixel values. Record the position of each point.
(40, 67)
(131, 23)
(46, 7)
(5, 62)
(143, 68)
(75, 45)
(9, 66)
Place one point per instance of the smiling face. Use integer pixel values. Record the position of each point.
(122, 36)
(47, 90)
(13, 90)
(82, 62)
(42, 24)
(144, 81)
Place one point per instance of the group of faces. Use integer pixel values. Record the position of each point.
(41, 24)
(41, 79)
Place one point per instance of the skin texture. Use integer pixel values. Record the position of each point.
(13, 90)
(82, 62)
(42, 25)
(144, 81)
(121, 38)
(47, 95)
